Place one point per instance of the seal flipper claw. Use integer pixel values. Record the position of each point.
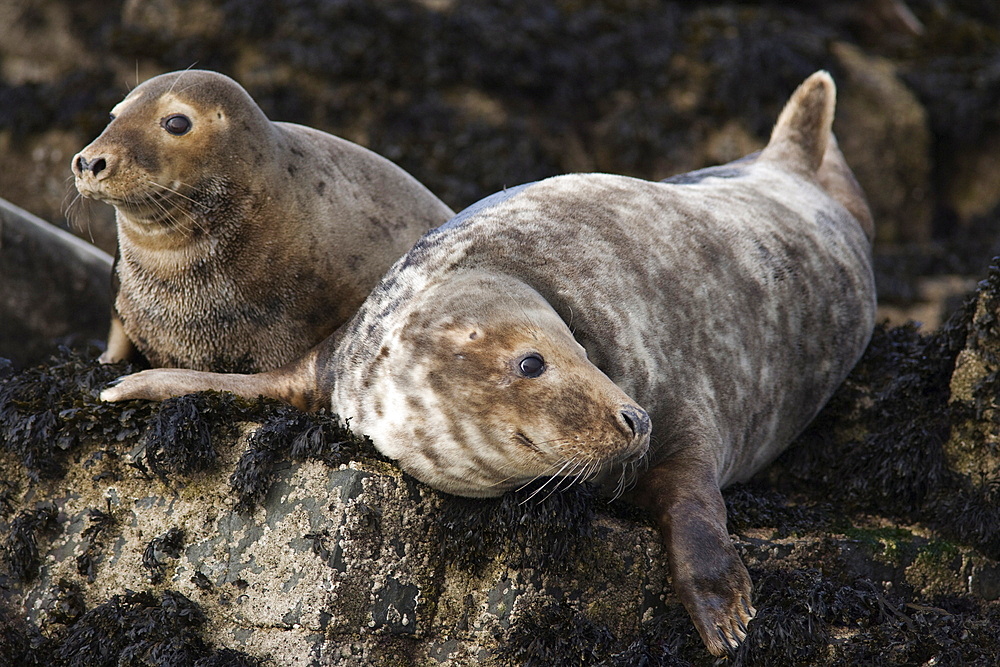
(724, 638)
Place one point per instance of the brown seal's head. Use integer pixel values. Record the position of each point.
(176, 146)
(481, 388)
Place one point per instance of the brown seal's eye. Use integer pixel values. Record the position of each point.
(532, 366)
(177, 124)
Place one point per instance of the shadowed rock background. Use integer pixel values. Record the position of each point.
(186, 534)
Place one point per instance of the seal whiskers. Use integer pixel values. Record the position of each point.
(76, 213)
(163, 201)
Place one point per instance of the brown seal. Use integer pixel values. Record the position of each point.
(521, 338)
(241, 242)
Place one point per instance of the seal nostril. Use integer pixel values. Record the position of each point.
(628, 420)
(637, 420)
(81, 164)
(98, 165)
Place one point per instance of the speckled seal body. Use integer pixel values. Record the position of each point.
(241, 242)
(546, 329)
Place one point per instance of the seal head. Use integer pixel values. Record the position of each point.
(174, 149)
(479, 396)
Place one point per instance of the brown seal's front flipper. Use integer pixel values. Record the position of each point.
(120, 346)
(707, 573)
(296, 383)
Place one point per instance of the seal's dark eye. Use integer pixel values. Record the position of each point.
(176, 124)
(532, 366)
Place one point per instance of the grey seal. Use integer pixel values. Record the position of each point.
(679, 334)
(242, 242)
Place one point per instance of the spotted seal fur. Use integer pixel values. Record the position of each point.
(241, 242)
(565, 327)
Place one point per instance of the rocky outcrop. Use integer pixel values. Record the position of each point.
(268, 534)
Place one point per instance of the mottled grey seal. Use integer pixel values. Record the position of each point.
(521, 338)
(241, 242)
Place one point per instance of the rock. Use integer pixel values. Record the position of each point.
(339, 565)
(973, 448)
(56, 287)
(174, 20)
(883, 131)
(974, 186)
(283, 537)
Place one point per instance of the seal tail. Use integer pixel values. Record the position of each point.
(800, 137)
(802, 141)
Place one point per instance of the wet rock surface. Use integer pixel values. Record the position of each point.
(56, 288)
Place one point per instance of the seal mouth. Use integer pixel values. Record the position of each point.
(634, 455)
(526, 441)
(95, 191)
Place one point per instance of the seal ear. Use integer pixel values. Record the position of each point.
(800, 136)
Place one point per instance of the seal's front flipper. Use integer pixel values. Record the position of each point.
(295, 384)
(120, 346)
(707, 573)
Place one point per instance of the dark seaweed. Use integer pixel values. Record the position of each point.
(527, 527)
(48, 410)
(750, 506)
(21, 546)
(556, 634)
(168, 545)
(100, 521)
(799, 612)
(21, 643)
(179, 437)
(137, 628)
(66, 603)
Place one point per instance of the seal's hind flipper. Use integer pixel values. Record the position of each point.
(800, 137)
